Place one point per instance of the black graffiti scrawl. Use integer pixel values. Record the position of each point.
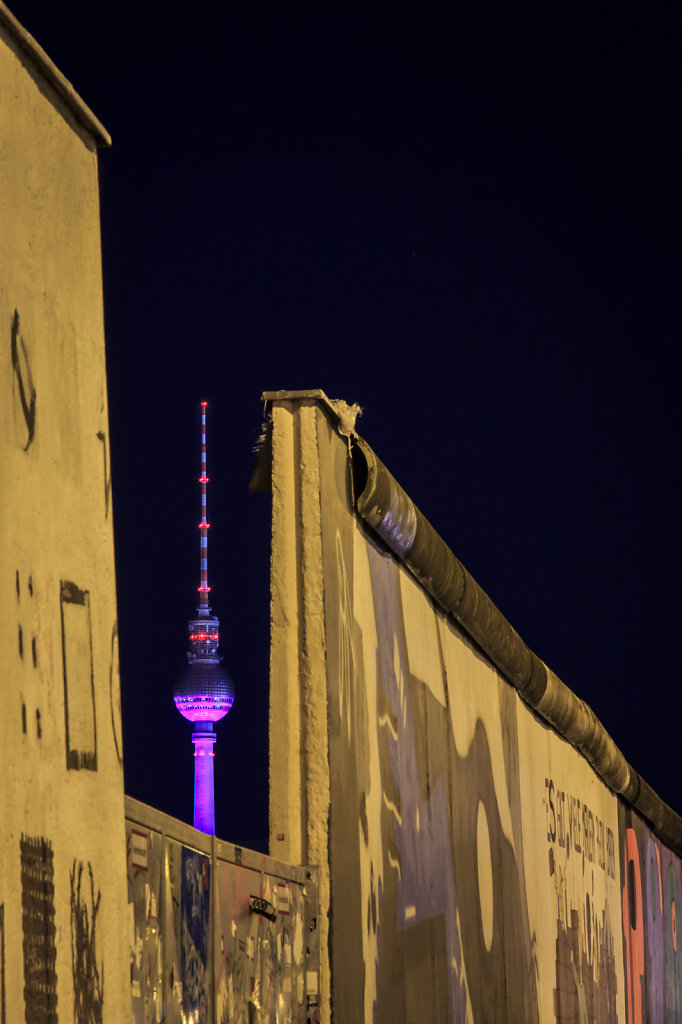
(101, 436)
(88, 976)
(115, 702)
(40, 953)
(25, 591)
(21, 368)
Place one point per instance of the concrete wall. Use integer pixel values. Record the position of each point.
(63, 924)
(217, 933)
(477, 868)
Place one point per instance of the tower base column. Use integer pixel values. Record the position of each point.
(204, 807)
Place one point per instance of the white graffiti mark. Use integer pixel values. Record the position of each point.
(393, 809)
(400, 680)
(394, 863)
(385, 719)
(345, 640)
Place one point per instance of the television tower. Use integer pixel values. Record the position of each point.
(204, 693)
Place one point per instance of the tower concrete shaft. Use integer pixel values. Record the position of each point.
(204, 800)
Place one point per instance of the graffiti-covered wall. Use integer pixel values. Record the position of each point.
(63, 946)
(217, 933)
(651, 883)
(480, 869)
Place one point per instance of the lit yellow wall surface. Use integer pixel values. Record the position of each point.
(63, 908)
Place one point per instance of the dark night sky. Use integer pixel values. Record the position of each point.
(469, 224)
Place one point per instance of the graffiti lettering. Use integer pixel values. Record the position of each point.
(551, 813)
(575, 828)
(574, 823)
(600, 843)
(610, 854)
(561, 830)
(588, 833)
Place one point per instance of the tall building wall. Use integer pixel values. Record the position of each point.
(476, 865)
(63, 908)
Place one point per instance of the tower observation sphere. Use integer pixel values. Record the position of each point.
(204, 692)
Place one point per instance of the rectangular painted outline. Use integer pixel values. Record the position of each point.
(77, 759)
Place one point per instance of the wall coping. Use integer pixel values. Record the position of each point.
(27, 45)
(385, 508)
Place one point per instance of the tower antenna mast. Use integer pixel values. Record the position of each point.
(204, 608)
(204, 693)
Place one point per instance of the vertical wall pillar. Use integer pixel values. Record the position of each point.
(285, 702)
(299, 766)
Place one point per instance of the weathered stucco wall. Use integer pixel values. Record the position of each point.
(480, 870)
(63, 918)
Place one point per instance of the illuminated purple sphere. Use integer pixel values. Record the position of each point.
(204, 692)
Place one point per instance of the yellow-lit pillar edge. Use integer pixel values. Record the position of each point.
(314, 685)
(285, 725)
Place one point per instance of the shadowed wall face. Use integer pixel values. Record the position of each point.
(62, 843)
(479, 868)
